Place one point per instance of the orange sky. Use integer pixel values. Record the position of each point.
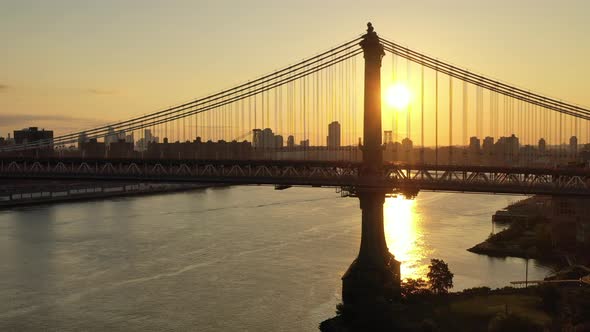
(68, 65)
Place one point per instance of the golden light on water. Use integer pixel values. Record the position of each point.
(404, 236)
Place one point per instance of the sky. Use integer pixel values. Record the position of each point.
(70, 65)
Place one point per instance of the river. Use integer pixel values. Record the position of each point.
(223, 259)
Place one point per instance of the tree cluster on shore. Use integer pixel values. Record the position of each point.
(426, 305)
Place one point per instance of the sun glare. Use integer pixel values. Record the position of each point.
(398, 96)
(404, 236)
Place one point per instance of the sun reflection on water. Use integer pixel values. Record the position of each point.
(404, 236)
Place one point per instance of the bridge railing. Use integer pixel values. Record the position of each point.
(393, 177)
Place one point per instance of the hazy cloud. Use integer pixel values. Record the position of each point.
(41, 119)
(4, 87)
(101, 91)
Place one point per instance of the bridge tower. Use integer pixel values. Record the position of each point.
(374, 274)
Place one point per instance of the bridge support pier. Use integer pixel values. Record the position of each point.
(374, 276)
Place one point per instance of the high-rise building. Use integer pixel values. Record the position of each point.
(91, 148)
(82, 138)
(542, 146)
(256, 137)
(32, 134)
(407, 144)
(142, 144)
(278, 143)
(387, 137)
(265, 139)
(110, 137)
(268, 139)
(508, 146)
(290, 141)
(573, 145)
(474, 145)
(488, 145)
(130, 138)
(147, 134)
(333, 139)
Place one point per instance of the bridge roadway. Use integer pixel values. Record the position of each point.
(395, 177)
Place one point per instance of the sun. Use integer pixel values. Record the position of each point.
(398, 96)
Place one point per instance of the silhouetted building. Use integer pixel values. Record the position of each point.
(92, 149)
(256, 138)
(542, 146)
(527, 152)
(387, 137)
(304, 143)
(507, 147)
(7, 141)
(333, 139)
(290, 141)
(148, 137)
(488, 145)
(82, 138)
(474, 145)
(407, 144)
(121, 149)
(201, 150)
(573, 145)
(110, 137)
(32, 134)
(278, 144)
(265, 139)
(147, 134)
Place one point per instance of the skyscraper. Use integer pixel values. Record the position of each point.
(573, 145)
(333, 139)
(278, 142)
(32, 134)
(474, 144)
(488, 145)
(542, 146)
(387, 137)
(110, 137)
(82, 138)
(290, 141)
(265, 139)
(256, 138)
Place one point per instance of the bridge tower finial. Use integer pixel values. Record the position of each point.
(372, 148)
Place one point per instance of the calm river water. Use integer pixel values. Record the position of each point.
(223, 259)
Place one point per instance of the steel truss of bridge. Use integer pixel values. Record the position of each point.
(394, 178)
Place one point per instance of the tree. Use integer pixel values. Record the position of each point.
(414, 287)
(441, 278)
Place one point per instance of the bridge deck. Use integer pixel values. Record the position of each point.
(408, 178)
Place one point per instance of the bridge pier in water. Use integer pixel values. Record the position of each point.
(375, 274)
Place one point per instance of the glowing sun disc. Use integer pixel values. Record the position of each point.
(398, 96)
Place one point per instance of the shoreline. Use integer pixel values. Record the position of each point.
(529, 235)
(101, 195)
(509, 242)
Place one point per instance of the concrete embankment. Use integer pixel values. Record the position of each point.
(24, 193)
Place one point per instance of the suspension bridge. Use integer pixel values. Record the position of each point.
(323, 122)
